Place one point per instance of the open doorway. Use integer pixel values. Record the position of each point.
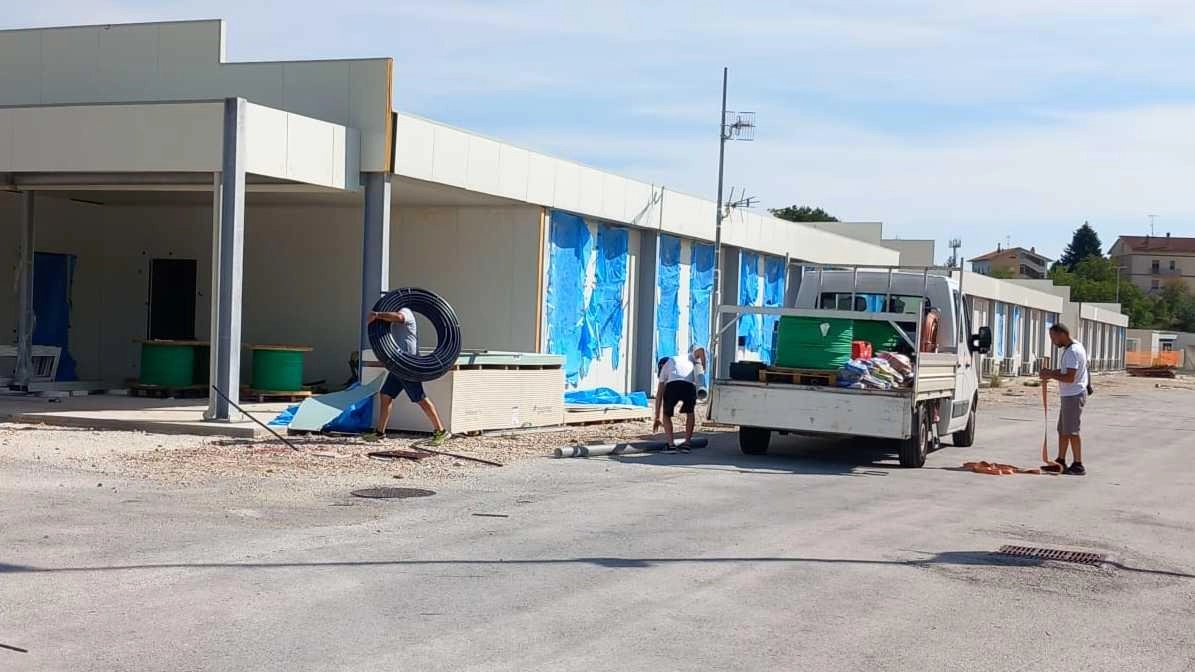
(172, 299)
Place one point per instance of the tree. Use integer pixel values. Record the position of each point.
(1003, 273)
(803, 213)
(1094, 281)
(1085, 243)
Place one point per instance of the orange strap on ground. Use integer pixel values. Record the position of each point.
(1048, 467)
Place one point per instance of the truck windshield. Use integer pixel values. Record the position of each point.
(872, 303)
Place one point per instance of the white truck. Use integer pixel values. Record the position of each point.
(945, 383)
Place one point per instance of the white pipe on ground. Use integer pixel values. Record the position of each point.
(604, 449)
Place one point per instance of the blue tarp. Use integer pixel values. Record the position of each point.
(668, 308)
(1014, 348)
(999, 330)
(749, 325)
(605, 396)
(604, 314)
(568, 256)
(701, 288)
(53, 278)
(349, 410)
(773, 297)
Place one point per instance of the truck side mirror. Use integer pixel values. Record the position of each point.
(982, 342)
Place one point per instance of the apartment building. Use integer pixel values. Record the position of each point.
(1154, 261)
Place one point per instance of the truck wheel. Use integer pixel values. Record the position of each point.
(914, 449)
(966, 438)
(754, 440)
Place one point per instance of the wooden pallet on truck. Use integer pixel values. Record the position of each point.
(777, 374)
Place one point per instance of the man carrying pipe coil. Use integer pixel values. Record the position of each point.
(408, 343)
(681, 382)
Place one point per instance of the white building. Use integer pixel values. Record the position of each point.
(274, 201)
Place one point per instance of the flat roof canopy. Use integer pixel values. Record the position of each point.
(169, 143)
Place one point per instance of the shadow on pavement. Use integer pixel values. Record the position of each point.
(966, 558)
(787, 454)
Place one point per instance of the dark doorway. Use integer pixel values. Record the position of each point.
(172, 299)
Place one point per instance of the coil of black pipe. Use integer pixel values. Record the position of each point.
(419, 368)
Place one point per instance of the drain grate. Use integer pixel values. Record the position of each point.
(1055, 554)
(392, 493)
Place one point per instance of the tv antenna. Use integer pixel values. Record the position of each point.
(731, 126)
(743, 201)
(955, 244)
(1151, 223)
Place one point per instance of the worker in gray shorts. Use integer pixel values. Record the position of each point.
(1073, 387)
(408, 342)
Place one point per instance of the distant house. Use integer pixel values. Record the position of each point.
(1013, 262)
(1154, 261)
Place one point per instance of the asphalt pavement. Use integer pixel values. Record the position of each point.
(818, 556)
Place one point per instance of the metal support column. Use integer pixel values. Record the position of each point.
(228, 252)
(375, 252)
(645, 311)
(24, 365)
(728, 344)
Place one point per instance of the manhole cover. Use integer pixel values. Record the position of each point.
(392, 493)
(1055, 554)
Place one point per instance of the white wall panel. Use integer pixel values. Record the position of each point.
(20, 68)
(184, 61)
(592, 185)
(566, 195)
(450, 159)
(513, 166)
(414, 153)
(265, 141)
(614, 195)
(323, 86)
(484, 172)
(481, 260)
(541, 179)
(114, 138)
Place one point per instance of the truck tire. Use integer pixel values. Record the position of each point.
(966, 438)
(914, 449)
(754, 440)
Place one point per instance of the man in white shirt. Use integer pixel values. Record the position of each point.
(1073, 386)
(678, 385)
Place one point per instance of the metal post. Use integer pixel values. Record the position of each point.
(24, 365)
(716, 318)
(375, 252)
(228, 251)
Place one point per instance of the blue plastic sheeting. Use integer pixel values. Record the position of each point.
(999, 329)
(668, 306)
(701, 289)
(356, 418)
(1014, 348)
(875, 302)
(604, 396)
(773, 297)
(53, 278)
(568, 256)
(749, 325)
(284, 418)
(604, 314)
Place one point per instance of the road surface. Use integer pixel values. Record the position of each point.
(814, 557)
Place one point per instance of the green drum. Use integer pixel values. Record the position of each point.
(167, 364)
(277, 370)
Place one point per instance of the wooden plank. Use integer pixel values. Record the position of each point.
(798, 376)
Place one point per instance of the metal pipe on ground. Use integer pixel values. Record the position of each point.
(605, 449)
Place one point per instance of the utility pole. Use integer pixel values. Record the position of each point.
(741, 128)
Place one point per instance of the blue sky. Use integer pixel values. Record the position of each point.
(979, 120)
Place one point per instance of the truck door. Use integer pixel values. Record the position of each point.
(966, 381)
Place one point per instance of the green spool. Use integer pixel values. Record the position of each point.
(167, 364)
(881, 335)
(278, 370)
(802, 344)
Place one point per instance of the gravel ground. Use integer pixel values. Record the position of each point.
(334, 462)
(338, 463)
